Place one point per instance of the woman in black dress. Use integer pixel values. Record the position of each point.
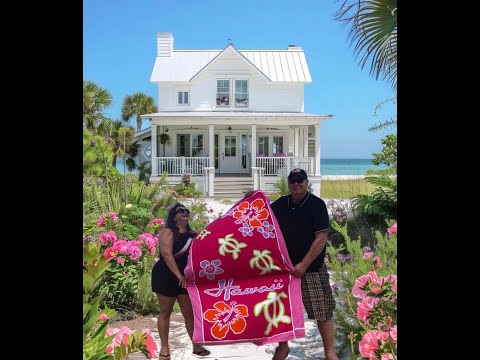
(168, 280)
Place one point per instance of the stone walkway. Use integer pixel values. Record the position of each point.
(308, 348)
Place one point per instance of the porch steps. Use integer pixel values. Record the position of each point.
(232, 187)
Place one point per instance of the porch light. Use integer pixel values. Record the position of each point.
(229, 129)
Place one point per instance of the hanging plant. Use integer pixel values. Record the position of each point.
(164, 138)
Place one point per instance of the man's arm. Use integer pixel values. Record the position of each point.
(315, 250)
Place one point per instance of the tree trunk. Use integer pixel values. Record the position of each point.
(139, 123)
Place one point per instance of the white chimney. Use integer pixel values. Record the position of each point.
(164, 44)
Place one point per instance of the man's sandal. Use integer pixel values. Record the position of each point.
(164, 357)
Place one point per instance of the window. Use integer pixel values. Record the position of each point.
(216, 151)
(277, 145)
(190, 145)
(241, 93)
(197, 145)
(244, 151)
(183, 98)
(263, 145)
(223, 92)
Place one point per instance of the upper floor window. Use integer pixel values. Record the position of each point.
(241, 93)
(183, 98)
(225, 92)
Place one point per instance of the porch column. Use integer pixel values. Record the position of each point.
(317, 150)
(254, 146)
(296, 142)
(211, 144)
(305, 141)
(154, 149)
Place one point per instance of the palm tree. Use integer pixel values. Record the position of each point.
(374, 34)
(136, 105)
(95, 101)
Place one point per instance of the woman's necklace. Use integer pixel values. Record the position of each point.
(294, 205)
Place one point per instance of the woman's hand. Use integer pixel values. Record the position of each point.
(182, 282)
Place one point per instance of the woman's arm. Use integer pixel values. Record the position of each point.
(165, 242)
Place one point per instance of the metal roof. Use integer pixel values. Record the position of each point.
(284, 66)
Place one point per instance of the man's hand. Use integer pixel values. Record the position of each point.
(249, 193)
(299, 270)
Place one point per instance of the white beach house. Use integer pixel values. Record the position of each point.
(234, 118)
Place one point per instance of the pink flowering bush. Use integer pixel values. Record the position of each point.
(377, 315)
(125, 341)
(365, 289)
(100, 341)
(128, 260)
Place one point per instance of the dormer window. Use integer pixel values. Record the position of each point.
(183, 98)
(225, 92)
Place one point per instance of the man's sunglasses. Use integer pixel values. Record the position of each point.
(182, 211)
(298, 181)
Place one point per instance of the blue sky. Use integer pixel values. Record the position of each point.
(119, 49)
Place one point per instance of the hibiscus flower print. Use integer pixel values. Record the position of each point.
(210, 269)
(225, 318)
(252, 213)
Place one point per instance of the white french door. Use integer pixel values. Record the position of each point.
(229, 153)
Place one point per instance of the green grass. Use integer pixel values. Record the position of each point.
(344, 189)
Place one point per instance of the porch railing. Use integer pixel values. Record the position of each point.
(177, 166)
(282, 165)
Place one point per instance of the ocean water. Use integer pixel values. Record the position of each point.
(327, 166)
(347, 166)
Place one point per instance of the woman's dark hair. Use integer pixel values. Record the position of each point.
(169, 223)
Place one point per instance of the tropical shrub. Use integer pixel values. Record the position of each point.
(121, 279)
(381, 204)
(187, 187)
(100, 341)
(369, 273)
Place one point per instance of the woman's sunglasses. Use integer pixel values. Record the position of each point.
(182, 211)
(298, 181)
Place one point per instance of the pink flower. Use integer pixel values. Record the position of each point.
(392, 229)
(103, 317)
(393, 333)
(377, 261)
(100, 221)
(369, 344)
(367, 255)
(150, 343)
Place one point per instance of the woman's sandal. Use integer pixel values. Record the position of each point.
(276, 350)
(203, 352)
(164, 357)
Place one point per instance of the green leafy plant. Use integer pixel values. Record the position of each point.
(99, 341)
(382, 203)
(348, 263)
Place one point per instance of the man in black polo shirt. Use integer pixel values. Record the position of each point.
(303, 219)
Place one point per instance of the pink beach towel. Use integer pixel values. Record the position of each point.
(239, 281)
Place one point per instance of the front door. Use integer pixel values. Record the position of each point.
(229, 153)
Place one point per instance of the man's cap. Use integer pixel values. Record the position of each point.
(297, 173)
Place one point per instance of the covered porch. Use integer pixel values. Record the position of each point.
(263, 146)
